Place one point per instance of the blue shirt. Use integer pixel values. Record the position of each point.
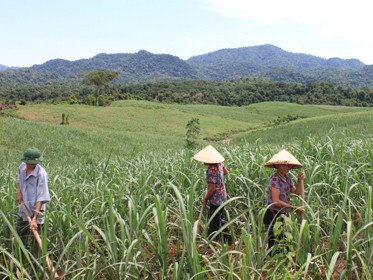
(34, 188)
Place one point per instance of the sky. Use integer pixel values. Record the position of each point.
(35, 31)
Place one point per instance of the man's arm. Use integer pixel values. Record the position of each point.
(19, 194)
(33, 224)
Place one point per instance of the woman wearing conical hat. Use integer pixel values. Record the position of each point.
(279, 189)
(216, 192)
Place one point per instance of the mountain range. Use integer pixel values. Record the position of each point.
(264, 61)
(4, 67)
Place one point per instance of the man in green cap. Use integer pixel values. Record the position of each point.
(32, 191)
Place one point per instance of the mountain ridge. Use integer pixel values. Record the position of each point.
(260, 53)
(263, 61)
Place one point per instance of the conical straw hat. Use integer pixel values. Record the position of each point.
(283, 157)
(209, 155)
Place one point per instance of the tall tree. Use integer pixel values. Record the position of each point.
(192, 132)
(99, 79)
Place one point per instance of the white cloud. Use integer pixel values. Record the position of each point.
(344, 23)
(275, 11)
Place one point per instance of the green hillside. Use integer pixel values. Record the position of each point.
(259, 113)
(357, 125)
(137, 127)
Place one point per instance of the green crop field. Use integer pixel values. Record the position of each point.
(126, 193)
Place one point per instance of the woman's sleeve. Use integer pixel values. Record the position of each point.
(212, 177)
(274, 183)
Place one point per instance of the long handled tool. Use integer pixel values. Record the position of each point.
(198, 222)
(197, 226)
(200, 213)
(302, 198)
(38, 240)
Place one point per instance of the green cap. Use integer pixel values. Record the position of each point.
(32, 155)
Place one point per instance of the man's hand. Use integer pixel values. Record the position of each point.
(19, 198)
(33, 225)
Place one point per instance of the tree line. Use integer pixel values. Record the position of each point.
(234, 92)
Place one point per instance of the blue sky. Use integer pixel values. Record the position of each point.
(35, 31)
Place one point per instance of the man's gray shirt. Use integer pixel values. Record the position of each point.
(34, 188)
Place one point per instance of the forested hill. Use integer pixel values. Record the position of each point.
(268, 56)
(268, 61)
(133, 68)
(265, 61)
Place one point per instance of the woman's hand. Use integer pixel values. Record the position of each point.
(301, 176)
(299, 210)
(204, 202)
